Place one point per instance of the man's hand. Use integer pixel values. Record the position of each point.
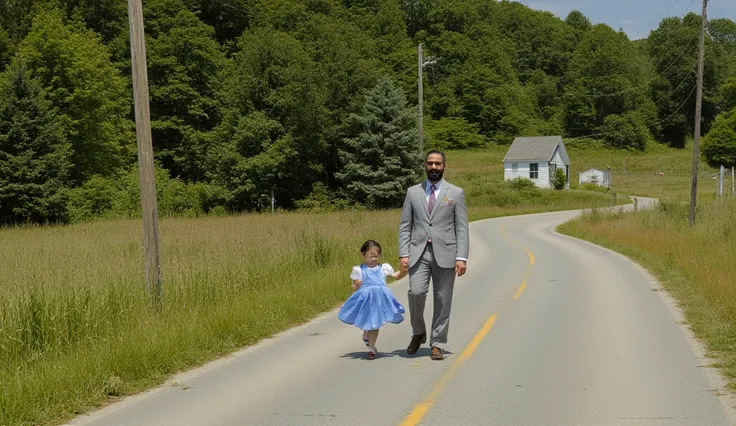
(460, 268)
(405, 264)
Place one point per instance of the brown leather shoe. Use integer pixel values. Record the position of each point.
(416, 341)
(437, 354)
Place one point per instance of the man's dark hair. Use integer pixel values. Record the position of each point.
(434, 151)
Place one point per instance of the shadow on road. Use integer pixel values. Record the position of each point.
(421, 353)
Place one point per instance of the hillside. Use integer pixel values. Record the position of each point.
(254, 97)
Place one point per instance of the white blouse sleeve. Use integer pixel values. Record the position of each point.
(387, 269)
(356, 274)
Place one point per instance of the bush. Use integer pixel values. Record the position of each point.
(320, 200)
(521, 183)
(587, 186)
(560, 179)
(120, 197)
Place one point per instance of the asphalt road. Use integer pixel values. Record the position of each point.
(545, 330)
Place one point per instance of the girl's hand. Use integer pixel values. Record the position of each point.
(357, 284)
(401, 273)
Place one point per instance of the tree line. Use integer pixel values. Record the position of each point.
(314, 101)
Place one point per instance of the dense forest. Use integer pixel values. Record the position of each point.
(315, 101)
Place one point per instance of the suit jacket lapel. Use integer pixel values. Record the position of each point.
(437, 202)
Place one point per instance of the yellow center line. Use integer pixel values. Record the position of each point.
(421, 409)
(532, 261)
(521, 290)
(418, 413)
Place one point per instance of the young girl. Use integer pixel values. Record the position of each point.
(372, 304)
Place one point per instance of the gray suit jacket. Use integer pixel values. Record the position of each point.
(446, 226)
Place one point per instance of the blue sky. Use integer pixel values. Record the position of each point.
(636, 17)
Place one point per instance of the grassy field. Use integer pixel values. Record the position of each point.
(695, 265)
(75, 328)
(660, 172)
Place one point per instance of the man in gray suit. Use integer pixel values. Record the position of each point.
(433, 243)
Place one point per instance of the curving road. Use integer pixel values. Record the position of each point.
(546, 330)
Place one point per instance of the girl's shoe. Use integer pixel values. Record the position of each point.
(372, 352)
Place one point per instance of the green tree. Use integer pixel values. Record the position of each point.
(273, 80)
(719, 145)
(256, 157)
(229, 19)
(34, 155)
(453, 133)
(184, 62)
(604, 78)
(382, 161)
(90, 94)
(348, 56)
(541, 41)
(728, 95)
(579, 22)
(15, 17)
(4, 48)
(723, 32)
(673, 50)
(625, 131)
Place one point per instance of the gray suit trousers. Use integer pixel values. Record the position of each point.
(443, 283)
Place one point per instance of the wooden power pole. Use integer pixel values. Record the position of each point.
(698, 107)
(145, 152)
(421, 100)
(421, 63)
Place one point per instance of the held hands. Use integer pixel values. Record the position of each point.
(401, 273)
(357, 284)
(460, 267)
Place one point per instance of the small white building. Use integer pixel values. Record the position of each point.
(537, 158)
(596, 177)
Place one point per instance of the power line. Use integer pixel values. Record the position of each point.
(664, 13)
(652, 124)
(606, 95)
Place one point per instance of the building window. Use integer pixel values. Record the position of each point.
(514, 169)
(534, 171)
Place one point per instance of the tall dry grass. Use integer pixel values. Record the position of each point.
(75, 325)
(696, 265)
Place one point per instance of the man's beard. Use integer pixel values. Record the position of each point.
(435, 175)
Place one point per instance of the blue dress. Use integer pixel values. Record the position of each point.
(373, 304)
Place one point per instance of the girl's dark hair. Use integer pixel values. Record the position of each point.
(369, 245)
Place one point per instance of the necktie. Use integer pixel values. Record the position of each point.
(431, 197)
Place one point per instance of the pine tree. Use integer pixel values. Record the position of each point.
(34, 155)
(382, 161)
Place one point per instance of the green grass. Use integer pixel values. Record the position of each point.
(633, 173)
(76, 330)
(695, 265)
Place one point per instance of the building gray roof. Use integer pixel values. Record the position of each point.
(536, 148)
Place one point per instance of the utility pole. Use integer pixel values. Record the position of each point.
(145, 152)
(420, 65)
(698, 107)
(722, 172)
(733, 185)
